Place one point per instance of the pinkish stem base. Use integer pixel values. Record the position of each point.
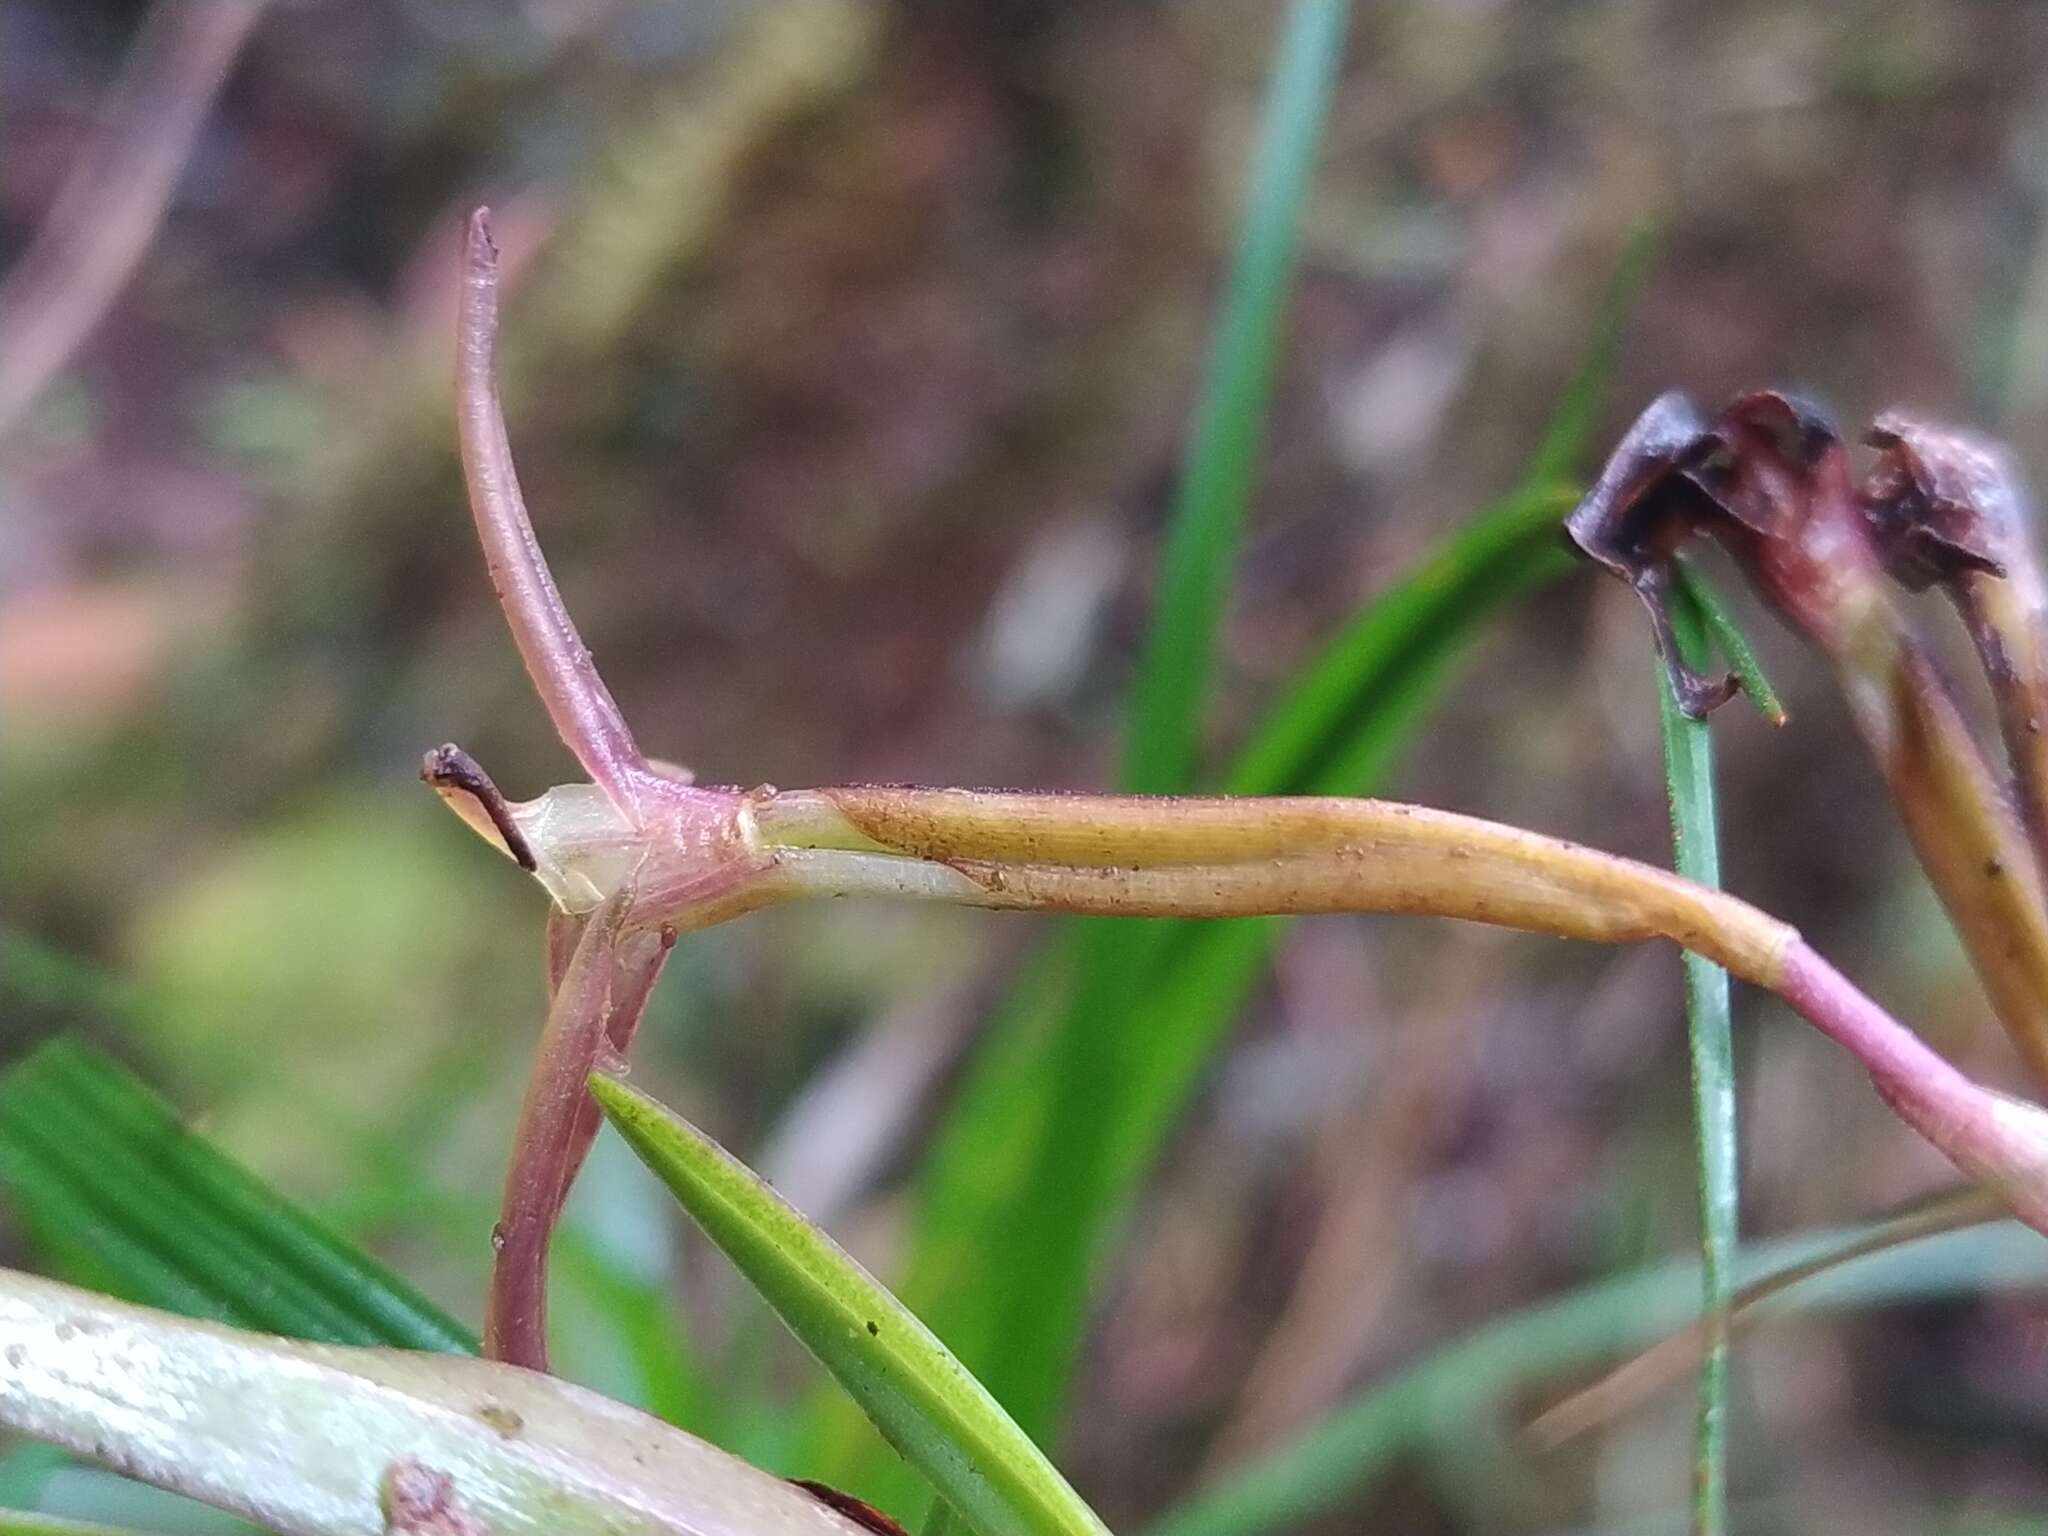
(1990, 1136)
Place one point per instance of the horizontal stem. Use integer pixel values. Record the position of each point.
(1228, 857)
(1216, 857)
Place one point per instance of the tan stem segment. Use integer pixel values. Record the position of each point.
(1224, 857)
(1229, 857)
(2005, 617)
(1974, 850)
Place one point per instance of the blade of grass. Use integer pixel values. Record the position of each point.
(1335, 731)
(98, 1166)
(14, 1522)
(1696, 854)
(1216, 479)
(922, 1399)
(1343, 1457)
(1734, 647)
(1038, 1309)
(1666, 1361)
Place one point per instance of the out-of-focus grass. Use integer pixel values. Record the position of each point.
(1064, 1110)
(97, 1166)
(1454, 1392)
(1034, 1313)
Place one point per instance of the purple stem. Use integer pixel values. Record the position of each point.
(635, 969)
(577, 700)
(515, 1318)
(1989, 1136)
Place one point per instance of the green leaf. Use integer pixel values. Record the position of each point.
(1695, 853)
(1457, 1386)
(1731, 643)
(922, 1399)
(119, 1193)
(324, 1440)
(1216, 479)
(14, 1522)
(1336, 730)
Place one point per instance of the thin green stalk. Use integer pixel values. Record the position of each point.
(1216, 481)
(1689, 780)
(1336, 730)
(1041, 1318)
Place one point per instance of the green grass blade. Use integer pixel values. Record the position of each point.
(1216, 479)
(1696, 854)
(1732, 644)
(14, 1522)
(101, 1172)
(1036, 1312)
(1478, 1374)
(1341, 720)
(1335, 731)
(1564, 439)
(921, 1398)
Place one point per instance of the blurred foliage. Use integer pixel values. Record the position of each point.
(842, 327)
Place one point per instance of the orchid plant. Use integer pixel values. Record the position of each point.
(328, 1439)
(642, 852)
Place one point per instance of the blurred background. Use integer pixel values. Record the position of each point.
(851, 348)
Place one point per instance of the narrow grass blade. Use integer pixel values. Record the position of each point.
(1037, 1311)
(1335, 731)
(1696, 854)
(921, 1398)
(1476, 1375)
(1732, 644)
(1667, 1361)
(14, 1522)
(322, 1440)
(100, 1171)
(1216, 479)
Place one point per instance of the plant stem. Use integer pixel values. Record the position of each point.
(563, 673)
(2004, 616)
(1977, 855)
(1695, 851)
(1218, 857)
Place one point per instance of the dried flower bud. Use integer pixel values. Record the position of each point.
(1939, 502)
(1946, 508)
(1768, 478)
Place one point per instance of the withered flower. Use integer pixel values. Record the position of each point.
(1947, 508)
(1769, 480)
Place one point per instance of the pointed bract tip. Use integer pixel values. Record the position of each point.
(481, 256)
(461, 781)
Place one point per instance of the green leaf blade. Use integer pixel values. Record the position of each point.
(1695, 845)
(1216, 481)
(1343, 1456)
(125, 1196)
(912, 1388)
